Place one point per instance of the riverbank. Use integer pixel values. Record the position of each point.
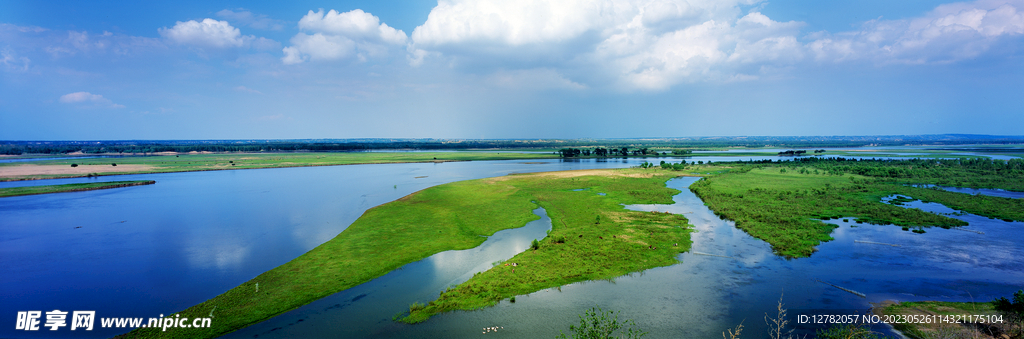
(32, 190)
(190, 162)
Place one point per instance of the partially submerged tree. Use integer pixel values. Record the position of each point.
(596, 323)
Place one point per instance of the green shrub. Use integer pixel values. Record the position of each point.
(598, 324)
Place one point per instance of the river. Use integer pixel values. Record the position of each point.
(150, 250)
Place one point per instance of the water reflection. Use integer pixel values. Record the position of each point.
(366, 310)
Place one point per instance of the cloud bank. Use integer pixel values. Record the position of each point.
(655, 44)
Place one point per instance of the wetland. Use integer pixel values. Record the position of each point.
(657, 296)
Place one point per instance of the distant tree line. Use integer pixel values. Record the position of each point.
(613, 152)
(800, 152)
(612, 146)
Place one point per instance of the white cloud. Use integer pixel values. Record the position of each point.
(338, 35)
(655, 44)
(247, 18)
(81, 42)
(644, 44)
(88, 98)
(950, 33)
(12, 62)
(208, 33)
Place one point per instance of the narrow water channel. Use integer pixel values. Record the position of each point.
(366, 311)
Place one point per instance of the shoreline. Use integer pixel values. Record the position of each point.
(66, 188)
(93, 175)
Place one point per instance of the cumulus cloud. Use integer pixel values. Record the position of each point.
(950, 33)
(247, 18)
(335, 35)
(208, 33)
(655, 44)
(88, 98)
(647, 44)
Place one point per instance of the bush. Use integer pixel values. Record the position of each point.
(1013, 313)
(535, 245)
(598, 324)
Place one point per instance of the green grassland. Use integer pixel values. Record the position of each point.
(227, 161)
(456, 216)
(30, 190)
(780, 202)
(593, 237)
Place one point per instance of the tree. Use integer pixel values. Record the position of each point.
(599, 324)
(1013, 311)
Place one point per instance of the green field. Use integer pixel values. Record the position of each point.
(454, 216)
(781, 203)
(30, 190)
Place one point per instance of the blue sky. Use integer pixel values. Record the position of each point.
(508, 69)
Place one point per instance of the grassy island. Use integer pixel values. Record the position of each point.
(30, 190)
